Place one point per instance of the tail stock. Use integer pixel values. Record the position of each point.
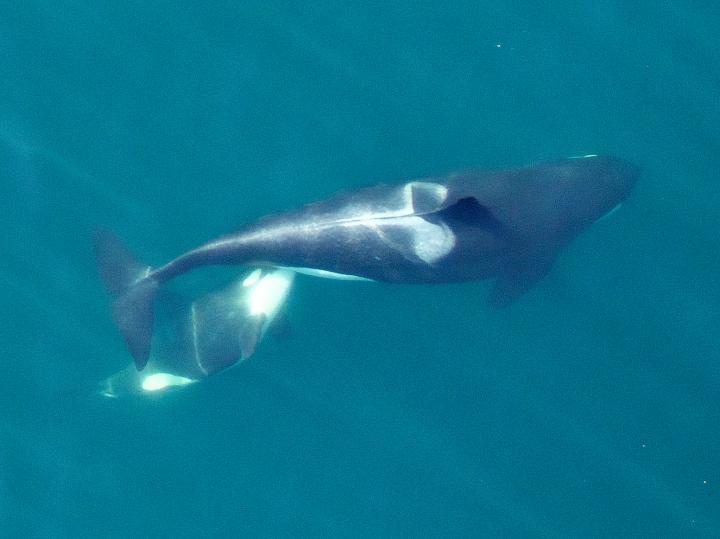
(132, 291)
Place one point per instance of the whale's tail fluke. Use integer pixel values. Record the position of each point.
(132, 291)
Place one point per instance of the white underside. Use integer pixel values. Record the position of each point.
(324, 274)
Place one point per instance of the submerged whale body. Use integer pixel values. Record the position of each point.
(194, 339)
(502, 224)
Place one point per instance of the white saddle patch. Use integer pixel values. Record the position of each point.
(430, 242)
(434, 191)
(400, 204)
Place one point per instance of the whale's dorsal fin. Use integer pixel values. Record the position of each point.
(471, 212)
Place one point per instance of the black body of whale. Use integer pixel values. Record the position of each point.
(502, 224)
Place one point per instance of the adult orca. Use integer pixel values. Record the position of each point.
(503, 224)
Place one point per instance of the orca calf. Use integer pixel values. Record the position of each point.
(196, 339)
(502, 224)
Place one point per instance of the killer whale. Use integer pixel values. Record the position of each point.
(196, 338)
(504, 224)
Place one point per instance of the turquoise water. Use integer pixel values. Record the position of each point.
(588, 409)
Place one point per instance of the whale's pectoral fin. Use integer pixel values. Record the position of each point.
(516, 279)
(133, 294)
